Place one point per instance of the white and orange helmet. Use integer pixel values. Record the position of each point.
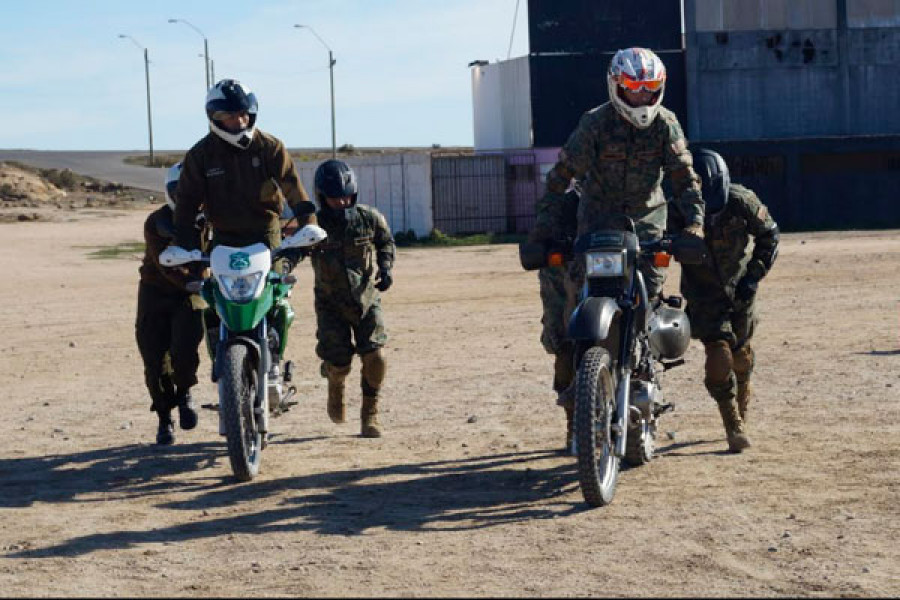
(635, 69)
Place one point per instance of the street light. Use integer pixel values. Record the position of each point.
(331, 62)
(212, 68)
(147, 77)
(205, 47)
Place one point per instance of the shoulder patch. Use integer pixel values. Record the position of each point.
(679, 146)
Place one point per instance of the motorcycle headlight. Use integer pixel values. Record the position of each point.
(605, 264)
(240, 288)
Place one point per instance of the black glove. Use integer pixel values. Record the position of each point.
(293, 256)
(384, 280)
(746, 289)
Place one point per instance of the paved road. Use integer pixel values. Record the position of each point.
(102, 165)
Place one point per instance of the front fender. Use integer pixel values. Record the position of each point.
(251, 344)
(592, 319)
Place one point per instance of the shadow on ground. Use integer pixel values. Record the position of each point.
(103, 474)
(465, 494)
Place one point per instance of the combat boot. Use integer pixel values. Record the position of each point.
(337, 407)
(368, 415)
(165, 433)
(371, 378)
(187, 410)
(570, 429)
(744, 360)
(734, 426)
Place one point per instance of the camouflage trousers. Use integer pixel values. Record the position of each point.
(554, 318)
(168, 331)
(726, 334)
(342, 331)
(555, 302)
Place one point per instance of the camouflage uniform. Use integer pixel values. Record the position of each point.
(719, 317)
(168, 326)
(347, 302)
(622, 169)
(554, 294)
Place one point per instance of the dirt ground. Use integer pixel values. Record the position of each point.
(466, 494)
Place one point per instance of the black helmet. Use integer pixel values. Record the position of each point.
(172, 176)
(335, 179)
(713, 172)
(231, 96)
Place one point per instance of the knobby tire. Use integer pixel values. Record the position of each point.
(237, 393)
(598, 467)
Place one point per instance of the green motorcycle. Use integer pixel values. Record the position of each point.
(251, 302)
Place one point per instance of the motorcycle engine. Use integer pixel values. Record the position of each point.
(644, 396)
(669, 333)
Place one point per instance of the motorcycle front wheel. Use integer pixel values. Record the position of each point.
(595, 401)
(237, 392)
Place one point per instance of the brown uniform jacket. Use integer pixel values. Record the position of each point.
(159, 232)
(241, 191)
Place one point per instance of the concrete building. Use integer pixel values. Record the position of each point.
(800, 96)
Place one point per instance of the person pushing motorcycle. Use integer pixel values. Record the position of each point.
(168, 327)
(238, 175)
(721, 294)
(622, 149)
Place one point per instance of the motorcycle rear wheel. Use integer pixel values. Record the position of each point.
(595, 401)
(237, 393)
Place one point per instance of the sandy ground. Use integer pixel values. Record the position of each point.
(466, 494)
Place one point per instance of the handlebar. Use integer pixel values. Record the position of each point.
(686, 249)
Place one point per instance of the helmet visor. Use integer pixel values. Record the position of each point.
(635, 85)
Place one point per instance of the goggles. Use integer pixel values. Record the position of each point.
(635, 85)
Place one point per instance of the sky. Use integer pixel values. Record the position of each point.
(69, 82)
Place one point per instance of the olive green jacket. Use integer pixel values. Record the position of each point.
(728, 235)
(345, 263)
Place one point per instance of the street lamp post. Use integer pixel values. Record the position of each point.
(147, 78)
(205, 47)
(331, 62)
(212, 69)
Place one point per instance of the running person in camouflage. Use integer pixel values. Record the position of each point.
(623, 149)
(347, 299)
(554, 318)
(721, 295)
(168, 327)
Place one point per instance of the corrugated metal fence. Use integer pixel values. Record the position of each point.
(486, 193)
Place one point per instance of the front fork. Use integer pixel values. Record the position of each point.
(258, 344)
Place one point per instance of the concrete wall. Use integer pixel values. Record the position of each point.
(823, 71)
(873, 13)
(398, 185)
(501, 102)
(752, 15)
(826, 183)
